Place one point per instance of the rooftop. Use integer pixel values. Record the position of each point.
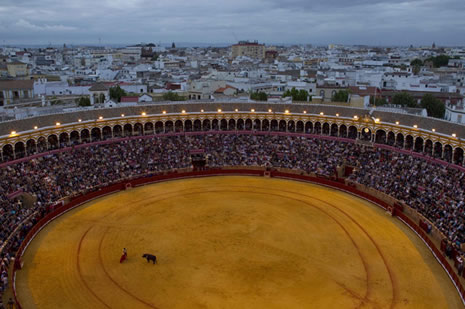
(16, 84)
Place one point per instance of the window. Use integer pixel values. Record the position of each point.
(459, 118)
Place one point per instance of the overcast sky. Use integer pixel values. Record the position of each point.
(373, 22)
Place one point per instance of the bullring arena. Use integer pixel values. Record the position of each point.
(299, 210)
(231, 242)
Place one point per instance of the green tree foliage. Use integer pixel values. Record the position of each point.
(378, 101)
(83, 101)
(259, 96)
(341, 96)
(116, 93)
(297, 95)
(416, 65)
(155, 57)
(172, 96)
(404, 99)
(416, 61)
(416, 69)
(433, 105)
(439, 61)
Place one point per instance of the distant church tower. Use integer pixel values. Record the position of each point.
(434, 45)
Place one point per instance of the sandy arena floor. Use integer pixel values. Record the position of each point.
(231, 242)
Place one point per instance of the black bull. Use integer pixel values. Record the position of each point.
(150, 257)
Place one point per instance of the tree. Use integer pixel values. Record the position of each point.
(116, 93)
(378, 101)
(404, 99)
(155, 57)
(439, 61)
(341, 96)
(416, 69)
(434, 106)
(172, 96)
(416, 61)
(416, 65)
(297, 95)
(83, 101)
(259, 96)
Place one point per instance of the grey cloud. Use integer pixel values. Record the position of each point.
(287, 21)
(29, 26)
(325, 5)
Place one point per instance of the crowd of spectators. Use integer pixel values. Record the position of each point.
(433, 190)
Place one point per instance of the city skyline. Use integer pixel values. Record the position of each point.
(379, 22)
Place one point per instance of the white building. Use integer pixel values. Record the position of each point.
(455, 113)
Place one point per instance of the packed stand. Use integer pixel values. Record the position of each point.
(436, 191)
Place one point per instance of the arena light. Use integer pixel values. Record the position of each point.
(201, 110)
(79, 120)
(183, 111)
(434, 130)
(252, 110)
(286, 111)
(58, 124)
(122, 115)
(454, 135)
(322, 114)
(305, 112)
(415, 126)
(100, 118)
(366, 130)
(269, 110)
(13, 133)
(219, 110)
(236, 110)
(337, 115)
(164, 112)
(35, 127)
(144, 114)
(397, 122)
(377, 120)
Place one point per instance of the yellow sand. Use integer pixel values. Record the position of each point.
(231, 242)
